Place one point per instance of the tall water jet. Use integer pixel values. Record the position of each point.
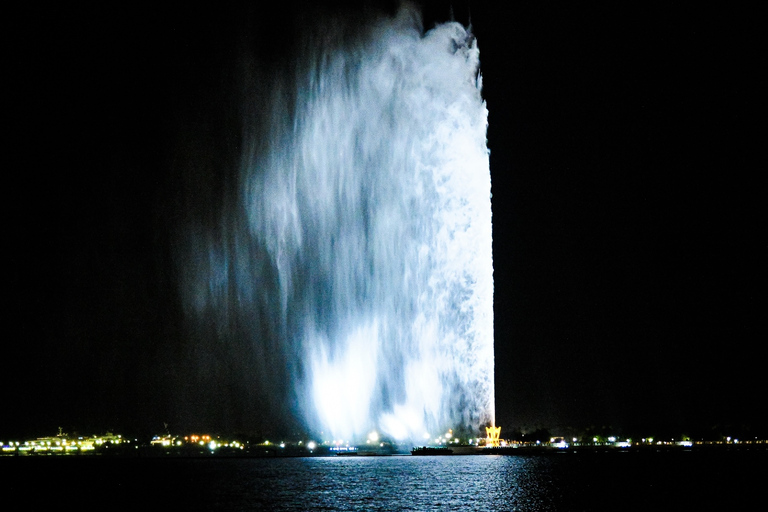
(359, 239)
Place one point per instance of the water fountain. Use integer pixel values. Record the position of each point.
(364, 232)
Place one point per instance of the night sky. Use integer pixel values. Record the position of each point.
(629, 249)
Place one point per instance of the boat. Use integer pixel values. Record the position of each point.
(362, 453)
(431, 450)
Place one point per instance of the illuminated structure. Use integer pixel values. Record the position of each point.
(201, 440)
(63, 444)
(166, 440)
(493, 436)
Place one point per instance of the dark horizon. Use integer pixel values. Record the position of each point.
(629, 245)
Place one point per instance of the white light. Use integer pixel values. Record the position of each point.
(311, 445)
(396, 216)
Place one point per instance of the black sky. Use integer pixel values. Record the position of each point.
(629, 249)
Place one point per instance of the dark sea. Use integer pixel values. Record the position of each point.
(722, 481)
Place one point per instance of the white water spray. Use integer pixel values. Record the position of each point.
(369, 204)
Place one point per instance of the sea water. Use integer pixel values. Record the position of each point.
(560, 481)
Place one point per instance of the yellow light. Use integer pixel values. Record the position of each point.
(493, 436)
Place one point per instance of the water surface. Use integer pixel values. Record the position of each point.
(620, 481)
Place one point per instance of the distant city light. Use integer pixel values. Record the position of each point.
(195, 445)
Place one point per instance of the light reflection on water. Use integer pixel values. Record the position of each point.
(390, 483)
(556, 482)
(499, 483)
